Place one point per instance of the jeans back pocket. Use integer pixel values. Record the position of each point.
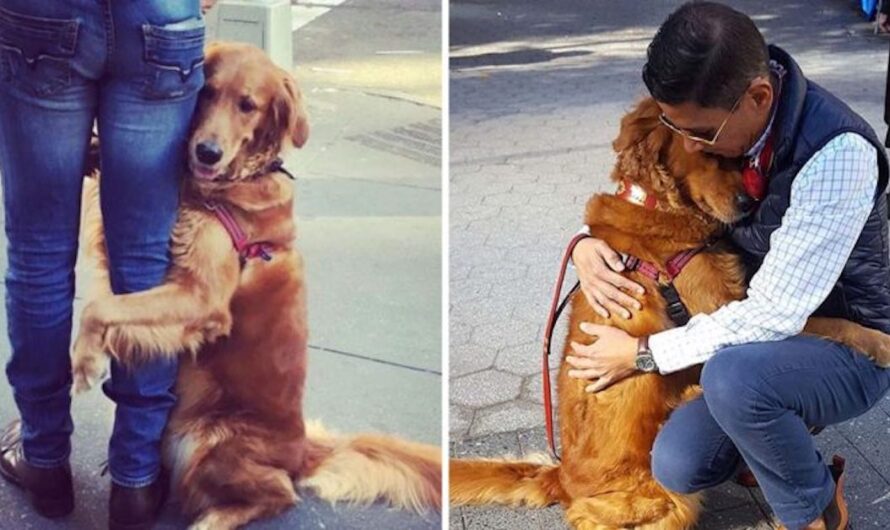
(36, 52)
(174, 54)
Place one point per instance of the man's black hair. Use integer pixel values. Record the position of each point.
(705, 53)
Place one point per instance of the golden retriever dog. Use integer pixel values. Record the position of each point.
(604, 479)
(236, 443)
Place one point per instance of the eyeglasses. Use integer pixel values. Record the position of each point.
(696, 138)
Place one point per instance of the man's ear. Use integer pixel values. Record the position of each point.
(761, 91)
(291, 116)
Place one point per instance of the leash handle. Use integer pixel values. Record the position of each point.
(556, 307)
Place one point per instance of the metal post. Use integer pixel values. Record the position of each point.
(266, 24)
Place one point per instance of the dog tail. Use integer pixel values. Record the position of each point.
(366, 468)
(514, 483)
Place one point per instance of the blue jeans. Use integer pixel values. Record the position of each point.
(759, 401)
(135, 68)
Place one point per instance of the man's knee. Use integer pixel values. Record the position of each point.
(679, 469)
(730, 383)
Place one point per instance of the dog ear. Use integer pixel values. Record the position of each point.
(291, 118)
(212, 53)
(637, 125)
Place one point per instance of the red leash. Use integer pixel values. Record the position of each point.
(556, 308)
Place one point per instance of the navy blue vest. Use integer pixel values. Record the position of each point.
(807, 118)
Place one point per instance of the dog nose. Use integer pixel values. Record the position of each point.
(208, 152)
(745, 202)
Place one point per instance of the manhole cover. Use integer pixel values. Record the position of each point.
(420, 141)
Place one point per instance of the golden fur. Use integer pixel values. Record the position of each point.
(604, 479)
(236, 441)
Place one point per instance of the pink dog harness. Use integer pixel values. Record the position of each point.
(245, 249)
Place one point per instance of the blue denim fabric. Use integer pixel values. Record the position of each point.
(135, 68)
(759, 402)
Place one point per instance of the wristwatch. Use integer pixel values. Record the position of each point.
(645, 362)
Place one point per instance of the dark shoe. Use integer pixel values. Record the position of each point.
(137, 508)
(746, 478)
(50, 491)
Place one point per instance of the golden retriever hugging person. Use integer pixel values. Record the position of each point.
(235, 302)
(214, 254)
(795, 190)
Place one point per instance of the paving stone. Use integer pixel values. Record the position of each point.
(533, 385)
(506, 332)
(470, 358)
(746, 517)
(491, 446)
(727, 496)
(551, 518)
(459, 333)
(534, 441)
(459, 422)
(523, 359)
(508, 416)
(485, 388)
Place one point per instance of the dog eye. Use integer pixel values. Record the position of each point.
(246, 105)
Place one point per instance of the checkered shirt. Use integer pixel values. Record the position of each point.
(831, 199)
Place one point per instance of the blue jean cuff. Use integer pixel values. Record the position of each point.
(43, 463)
(804, 517)
(134, 483)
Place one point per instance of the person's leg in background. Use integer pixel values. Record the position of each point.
(146, 103)
(765, 397)
(48, 64)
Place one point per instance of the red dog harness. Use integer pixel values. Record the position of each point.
(664, 278)
(245, 249)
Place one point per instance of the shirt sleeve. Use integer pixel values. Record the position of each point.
(831, 199)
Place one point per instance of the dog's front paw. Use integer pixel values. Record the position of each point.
(88, 364)
(881, 354)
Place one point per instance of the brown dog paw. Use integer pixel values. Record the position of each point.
(89, 364)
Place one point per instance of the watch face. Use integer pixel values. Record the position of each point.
(645, 363)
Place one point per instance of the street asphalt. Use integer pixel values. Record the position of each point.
(536, 93)
(369, 210)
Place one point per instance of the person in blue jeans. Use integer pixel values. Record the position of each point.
(135, 69)
(817, 244)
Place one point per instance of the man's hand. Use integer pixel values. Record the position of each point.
(608, 360)
(598, 267)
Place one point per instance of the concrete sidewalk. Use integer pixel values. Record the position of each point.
(537, 91)
(369, 206)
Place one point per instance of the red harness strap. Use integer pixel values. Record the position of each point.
(673, 267)
(245, 249)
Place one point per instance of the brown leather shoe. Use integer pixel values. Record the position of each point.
(835, 516)
(50, 490)
(137, 508)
